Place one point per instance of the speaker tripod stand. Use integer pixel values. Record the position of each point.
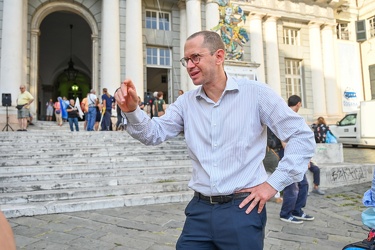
(7, 124)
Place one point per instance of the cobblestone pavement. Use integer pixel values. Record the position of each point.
(157, 227)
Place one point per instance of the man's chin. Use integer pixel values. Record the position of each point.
(196, 82)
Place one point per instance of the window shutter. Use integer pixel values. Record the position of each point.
(360, 29)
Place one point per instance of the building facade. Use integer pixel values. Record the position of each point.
(319, 49)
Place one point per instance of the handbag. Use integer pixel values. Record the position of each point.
(271, 160)
(20, 106)
(57, 112)
(330, 138)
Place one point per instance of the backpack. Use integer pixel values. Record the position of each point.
(360, 245)
(368, 243)
(272, 140)
(320, 133)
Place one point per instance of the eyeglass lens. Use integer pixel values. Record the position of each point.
(195, 58)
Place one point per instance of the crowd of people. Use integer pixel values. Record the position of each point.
(96, 112)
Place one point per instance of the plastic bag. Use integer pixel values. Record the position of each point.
(330, 138)
(368, 217)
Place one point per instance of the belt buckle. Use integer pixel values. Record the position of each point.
(213, 202)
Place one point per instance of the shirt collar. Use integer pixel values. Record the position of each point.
(231, 85)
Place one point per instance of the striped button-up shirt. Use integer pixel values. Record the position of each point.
(226, 140)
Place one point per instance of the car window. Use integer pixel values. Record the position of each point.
(348, 120)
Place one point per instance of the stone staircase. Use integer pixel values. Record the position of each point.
(49, 169)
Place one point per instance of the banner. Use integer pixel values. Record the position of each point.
(63, 105)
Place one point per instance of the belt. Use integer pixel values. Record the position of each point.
(220, 199)
(92, 106)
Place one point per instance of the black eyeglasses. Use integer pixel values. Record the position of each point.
(195, 58)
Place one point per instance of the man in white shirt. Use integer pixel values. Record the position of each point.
(226, 147)
(92, 100)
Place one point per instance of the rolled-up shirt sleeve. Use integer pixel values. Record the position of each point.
(156, 130)
(291, 128)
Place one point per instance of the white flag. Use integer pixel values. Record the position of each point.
(78, 106)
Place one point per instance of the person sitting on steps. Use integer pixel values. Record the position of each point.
(316, 178)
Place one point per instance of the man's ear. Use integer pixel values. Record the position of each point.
(220, 56)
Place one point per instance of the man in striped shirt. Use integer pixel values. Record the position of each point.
(224, 123)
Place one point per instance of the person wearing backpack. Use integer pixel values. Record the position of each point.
(320, 130)
(91, 114)
(108, 103)
(159, 104)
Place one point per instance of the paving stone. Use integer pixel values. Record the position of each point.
(46, 245)
(23, 241)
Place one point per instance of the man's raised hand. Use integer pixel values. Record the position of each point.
(126, 96)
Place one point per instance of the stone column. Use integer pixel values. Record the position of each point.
(185, 79)
(316, 65)
(331, 88)
(25, 41)
(34, 66)
(256, 44)
(194, 24)
(110, 49)
(95, 63)
(11, 75)
(212, 14)
(193, 16)
(134, 68)
(272, 54)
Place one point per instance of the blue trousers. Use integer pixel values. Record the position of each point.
(221, 227)
(294, 198)
(91, 117)
(73, 121)
(316, 173)
(106, 123)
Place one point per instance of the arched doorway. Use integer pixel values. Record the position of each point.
(62, 32)
(65, 37)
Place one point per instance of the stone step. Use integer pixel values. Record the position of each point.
(10, 188)
(83, 174)
(91, 160)
(143, 186)
(8, 138)
(36, 208)
(61, 171)
(91, 153)
(17, 169)
(97, 144)
(69, 137)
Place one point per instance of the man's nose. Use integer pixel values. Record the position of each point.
(190, 64)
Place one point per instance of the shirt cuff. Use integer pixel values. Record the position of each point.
(274, 180)
(133, 117)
